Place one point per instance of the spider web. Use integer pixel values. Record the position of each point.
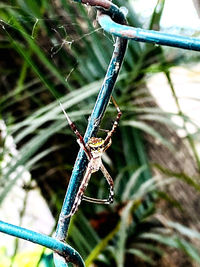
(64, 33)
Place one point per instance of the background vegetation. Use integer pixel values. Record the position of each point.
(55, 49)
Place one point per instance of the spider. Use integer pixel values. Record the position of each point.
(94, 149)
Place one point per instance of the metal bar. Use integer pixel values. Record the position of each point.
(67, 253)
(148, 36)
(112, 24)
(109, 19)
(107, 7)
(64, 253)
(92, 128)
(113, 21)
(95, 118)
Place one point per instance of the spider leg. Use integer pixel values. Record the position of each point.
(80, 139)
(115, 124)
(95, 200)
(103, 130)
(80, 193)
(110, 182)
(109, 200)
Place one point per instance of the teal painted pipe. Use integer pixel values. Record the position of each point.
(92, 128)
(63, 253)
(94, 121)
(148, 36)
(66, 252)
(112, 20)
(107, 7)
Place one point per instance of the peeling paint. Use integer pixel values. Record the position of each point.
(148, 36)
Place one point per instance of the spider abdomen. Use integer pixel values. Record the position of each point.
(95, 164)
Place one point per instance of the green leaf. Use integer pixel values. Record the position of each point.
(183, 229)
(131, 183)
(156, 17)
(160, 118)
(141, 255)
(148, 129)
(176, 242)
(182, 176)
(189, 249)
(100, 247)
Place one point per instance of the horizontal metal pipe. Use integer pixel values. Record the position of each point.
(148, 36)
(67, 252)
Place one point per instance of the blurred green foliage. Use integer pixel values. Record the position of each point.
(53, 50)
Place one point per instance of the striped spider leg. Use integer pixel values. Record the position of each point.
(94, 149)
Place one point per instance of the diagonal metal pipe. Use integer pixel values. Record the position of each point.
(92, 128)
(95, 118)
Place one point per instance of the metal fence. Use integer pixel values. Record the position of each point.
(113, 20)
